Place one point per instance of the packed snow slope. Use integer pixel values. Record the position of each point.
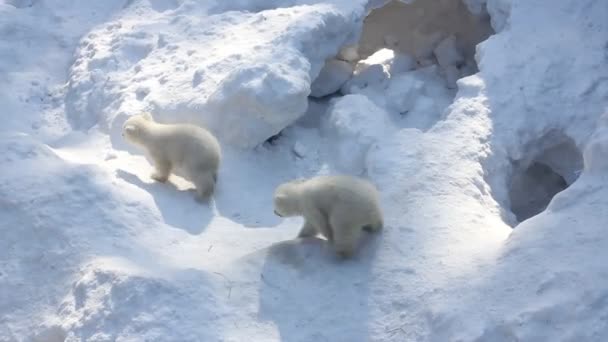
(93, 250)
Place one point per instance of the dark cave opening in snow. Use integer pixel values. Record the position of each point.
(552, 164)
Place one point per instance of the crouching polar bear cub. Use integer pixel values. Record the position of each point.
(337, 207)
(188, 149)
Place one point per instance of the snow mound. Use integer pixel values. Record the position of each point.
(92, 249)
(544, 284)
(116, 300)
(40, 245)
(35, 52)
(354, 123)
(499, 11)
(244, 75)
(595, 154)
(420, 96)
(370, 76)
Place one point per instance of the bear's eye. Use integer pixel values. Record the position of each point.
(130, 129)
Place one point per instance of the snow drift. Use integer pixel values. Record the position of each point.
(92, 249)
(245, 75)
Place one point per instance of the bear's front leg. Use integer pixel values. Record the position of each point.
(308, 230)
(205, 185)
(163, 169)
(319, 220)
(346, 234)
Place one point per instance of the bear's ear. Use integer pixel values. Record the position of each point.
(147, 116)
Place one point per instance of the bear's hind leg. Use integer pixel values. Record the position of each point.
(346, 234)
(163, 169)
(205, 185)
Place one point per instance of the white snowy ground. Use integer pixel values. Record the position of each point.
(92, 250)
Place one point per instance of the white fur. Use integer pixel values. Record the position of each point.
(337, 207)
(184, 149)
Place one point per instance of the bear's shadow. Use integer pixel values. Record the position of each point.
(308, 291)
(179, 208)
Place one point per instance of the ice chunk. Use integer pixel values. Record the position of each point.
(403, 92)
(349, 53)
(333, 75)
(371, 75)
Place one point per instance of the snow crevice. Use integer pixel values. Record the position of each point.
(549, 165)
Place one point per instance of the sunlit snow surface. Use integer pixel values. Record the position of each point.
(91, 249)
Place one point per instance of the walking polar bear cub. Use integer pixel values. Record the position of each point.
(337, 207)
(187, 150)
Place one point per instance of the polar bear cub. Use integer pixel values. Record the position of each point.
(185, 149)
(338, 207)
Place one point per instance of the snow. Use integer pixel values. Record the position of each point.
(93, 250)
(499, 11)
(206, 69)
(367, 76)
(355, 123)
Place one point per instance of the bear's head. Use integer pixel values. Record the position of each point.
(286, 200)
(133, 128)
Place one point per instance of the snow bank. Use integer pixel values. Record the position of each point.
(43, 243)
(545, 282)
(37, 40)
(244, 75)
(93, 249)
(596, 151)
(88, 250)
(115, 299)
(499, 11)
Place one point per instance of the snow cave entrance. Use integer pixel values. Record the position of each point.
(551, 164)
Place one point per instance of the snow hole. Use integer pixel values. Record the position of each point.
(552, 164)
